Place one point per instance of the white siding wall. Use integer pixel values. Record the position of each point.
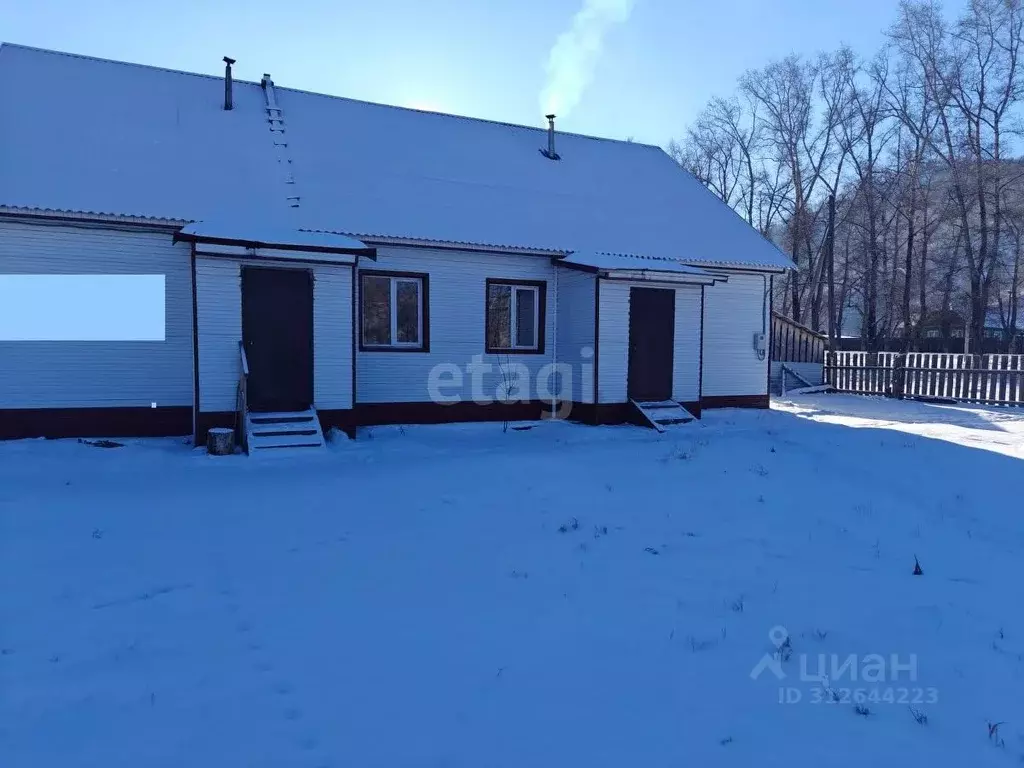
(686, 363)
(613, 359)
(95, 373)
(576, 332)
(733, 313)
(456, 300)
(219, 307)
(219, 314)
(332, 345)
(613, 349)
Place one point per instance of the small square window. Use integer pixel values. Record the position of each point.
(515, 316)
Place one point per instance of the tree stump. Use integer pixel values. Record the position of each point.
(220, 441)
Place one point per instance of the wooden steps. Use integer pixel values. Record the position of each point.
(275, 432)
(663, 414)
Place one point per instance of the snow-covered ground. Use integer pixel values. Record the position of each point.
(562, 596)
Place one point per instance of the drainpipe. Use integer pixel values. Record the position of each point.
(554, 343)
(764, 316)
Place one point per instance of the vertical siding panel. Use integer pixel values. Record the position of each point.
(575, 307)
(332, 344)
(613, 362)
(219, 314)
(686, 362)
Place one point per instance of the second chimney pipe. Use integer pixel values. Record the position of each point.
(228, 61)
(551, 137)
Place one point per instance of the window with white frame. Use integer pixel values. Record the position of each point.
(393, 311)
(515, 316)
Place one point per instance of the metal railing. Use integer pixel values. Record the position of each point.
(242, 399)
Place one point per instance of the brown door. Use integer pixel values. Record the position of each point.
(652, 318)
(277, 330)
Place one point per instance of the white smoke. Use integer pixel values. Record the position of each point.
(575, 53)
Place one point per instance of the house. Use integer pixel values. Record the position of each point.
(374, 263)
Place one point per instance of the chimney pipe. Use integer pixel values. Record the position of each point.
(228, 61)
(550, 152)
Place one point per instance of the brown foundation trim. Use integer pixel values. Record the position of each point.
(617, 413)
(343, 419)
(17, 424)
(735, 401)
(368, 414)
(693, 407)
(207, 420)
(603, 413)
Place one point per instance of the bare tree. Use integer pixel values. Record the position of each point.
(970, 75)
(916, 146)
(801, 138)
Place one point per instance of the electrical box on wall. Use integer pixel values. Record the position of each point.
(759, 343)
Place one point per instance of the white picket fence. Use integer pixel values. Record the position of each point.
(993, 379)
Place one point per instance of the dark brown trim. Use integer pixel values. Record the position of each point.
(666, 284)
(341, 418)
(368, 414)
(597, 335)
(355, 330)
(595, 415)
(542, 299)
(425, 341)
(771, 332)
(608, 274)
(617, 413)
(207, 420)
(452, 246)
(700, 354)
(243, 243)
(166, 421)
(559, 261)
(375, 414)
(735, 401)
(742, 270)
(275, 261)
(195, 345)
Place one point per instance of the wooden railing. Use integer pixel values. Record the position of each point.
(242, 399)
(993, 379)
(796, 343)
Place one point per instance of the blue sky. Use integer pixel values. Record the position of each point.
(485, 58)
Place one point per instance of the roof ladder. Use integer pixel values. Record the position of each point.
(275, 117)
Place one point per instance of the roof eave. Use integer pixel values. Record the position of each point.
(189, 237)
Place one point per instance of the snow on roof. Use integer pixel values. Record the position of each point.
(615, 261)
(266, 235)
(90, 135)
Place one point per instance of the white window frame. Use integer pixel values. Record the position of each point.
(393, 281)
(514, 316)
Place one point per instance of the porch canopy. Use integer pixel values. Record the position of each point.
(618, 266)
(285, 242)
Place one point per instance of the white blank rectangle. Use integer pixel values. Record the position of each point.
(82, 308)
